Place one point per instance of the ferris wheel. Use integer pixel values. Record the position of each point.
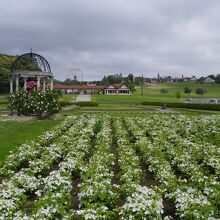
(75, 74)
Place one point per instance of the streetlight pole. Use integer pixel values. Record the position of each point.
(142, 85)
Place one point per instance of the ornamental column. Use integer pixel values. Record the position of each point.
(38, 83)
(17, 83)
(25, 83)
(51, 83)
(44, 85)
(11, 85)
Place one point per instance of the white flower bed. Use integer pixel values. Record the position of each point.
(181, 152)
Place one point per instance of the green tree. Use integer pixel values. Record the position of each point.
(131, 87)
(178, 95)
(217, 78)
(187, 90)
(5, 65)
(105, 81)
(130, 78)
(211, 76)
(201, 91)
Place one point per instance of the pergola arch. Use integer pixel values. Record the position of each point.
(20, 69)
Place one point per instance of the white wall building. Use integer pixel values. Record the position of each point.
(117, 89)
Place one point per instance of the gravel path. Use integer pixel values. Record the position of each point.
(83, 98)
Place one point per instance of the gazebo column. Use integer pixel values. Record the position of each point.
(25, 83)
(44, 85)
(11, 85)
(38, 83)
(51, 83)
(17, 83)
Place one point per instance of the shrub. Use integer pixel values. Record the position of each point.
(201, 91)
(88, 103)
(163, 91)
(39, 103)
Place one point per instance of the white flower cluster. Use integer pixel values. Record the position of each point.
(34, 149)
(105, 155)
(97, 193)
(168, 153)
(190, 155)
(53, 191)
(141, 202)
(144, 203)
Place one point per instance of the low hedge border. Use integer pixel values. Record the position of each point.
(87, 103)
(3, 101)
(63, 103)
(213, 107)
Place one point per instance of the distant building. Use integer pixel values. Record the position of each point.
(138, 79)
(193, 79)
(117, 89)
(120, 75)
(208, 80)
(89, 89)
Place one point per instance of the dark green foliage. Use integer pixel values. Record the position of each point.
(217, 78)
(6, 62)
(112, 79)
(87, 103)
(214, 107)
(131, 78)
(5, 65)
(201, 91)
(163, 91)
(26, 64)
(187, 90)
(39, 103)
(212, 76)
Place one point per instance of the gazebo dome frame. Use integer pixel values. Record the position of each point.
(43, 73)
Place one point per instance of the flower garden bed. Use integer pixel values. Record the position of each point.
(93, 167)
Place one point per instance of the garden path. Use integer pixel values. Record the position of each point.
(83, 98)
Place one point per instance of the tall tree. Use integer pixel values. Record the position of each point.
(217, 78)
(130, 78)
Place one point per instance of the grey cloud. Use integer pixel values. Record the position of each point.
(105, 36)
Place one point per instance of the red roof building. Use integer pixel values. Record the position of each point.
(115, 89)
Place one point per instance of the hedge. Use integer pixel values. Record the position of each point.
(63, 103)
(87, 103)
(214, 107)
(3, 101)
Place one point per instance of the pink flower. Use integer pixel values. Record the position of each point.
(31, 85)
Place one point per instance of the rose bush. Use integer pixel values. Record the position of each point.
(42, 104)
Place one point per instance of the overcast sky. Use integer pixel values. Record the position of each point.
(172, 37)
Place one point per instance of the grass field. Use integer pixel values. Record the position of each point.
(14, 133)
(152, 93)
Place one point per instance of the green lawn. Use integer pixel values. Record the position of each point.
(14, 133)
(152, 93)
(68, 97)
